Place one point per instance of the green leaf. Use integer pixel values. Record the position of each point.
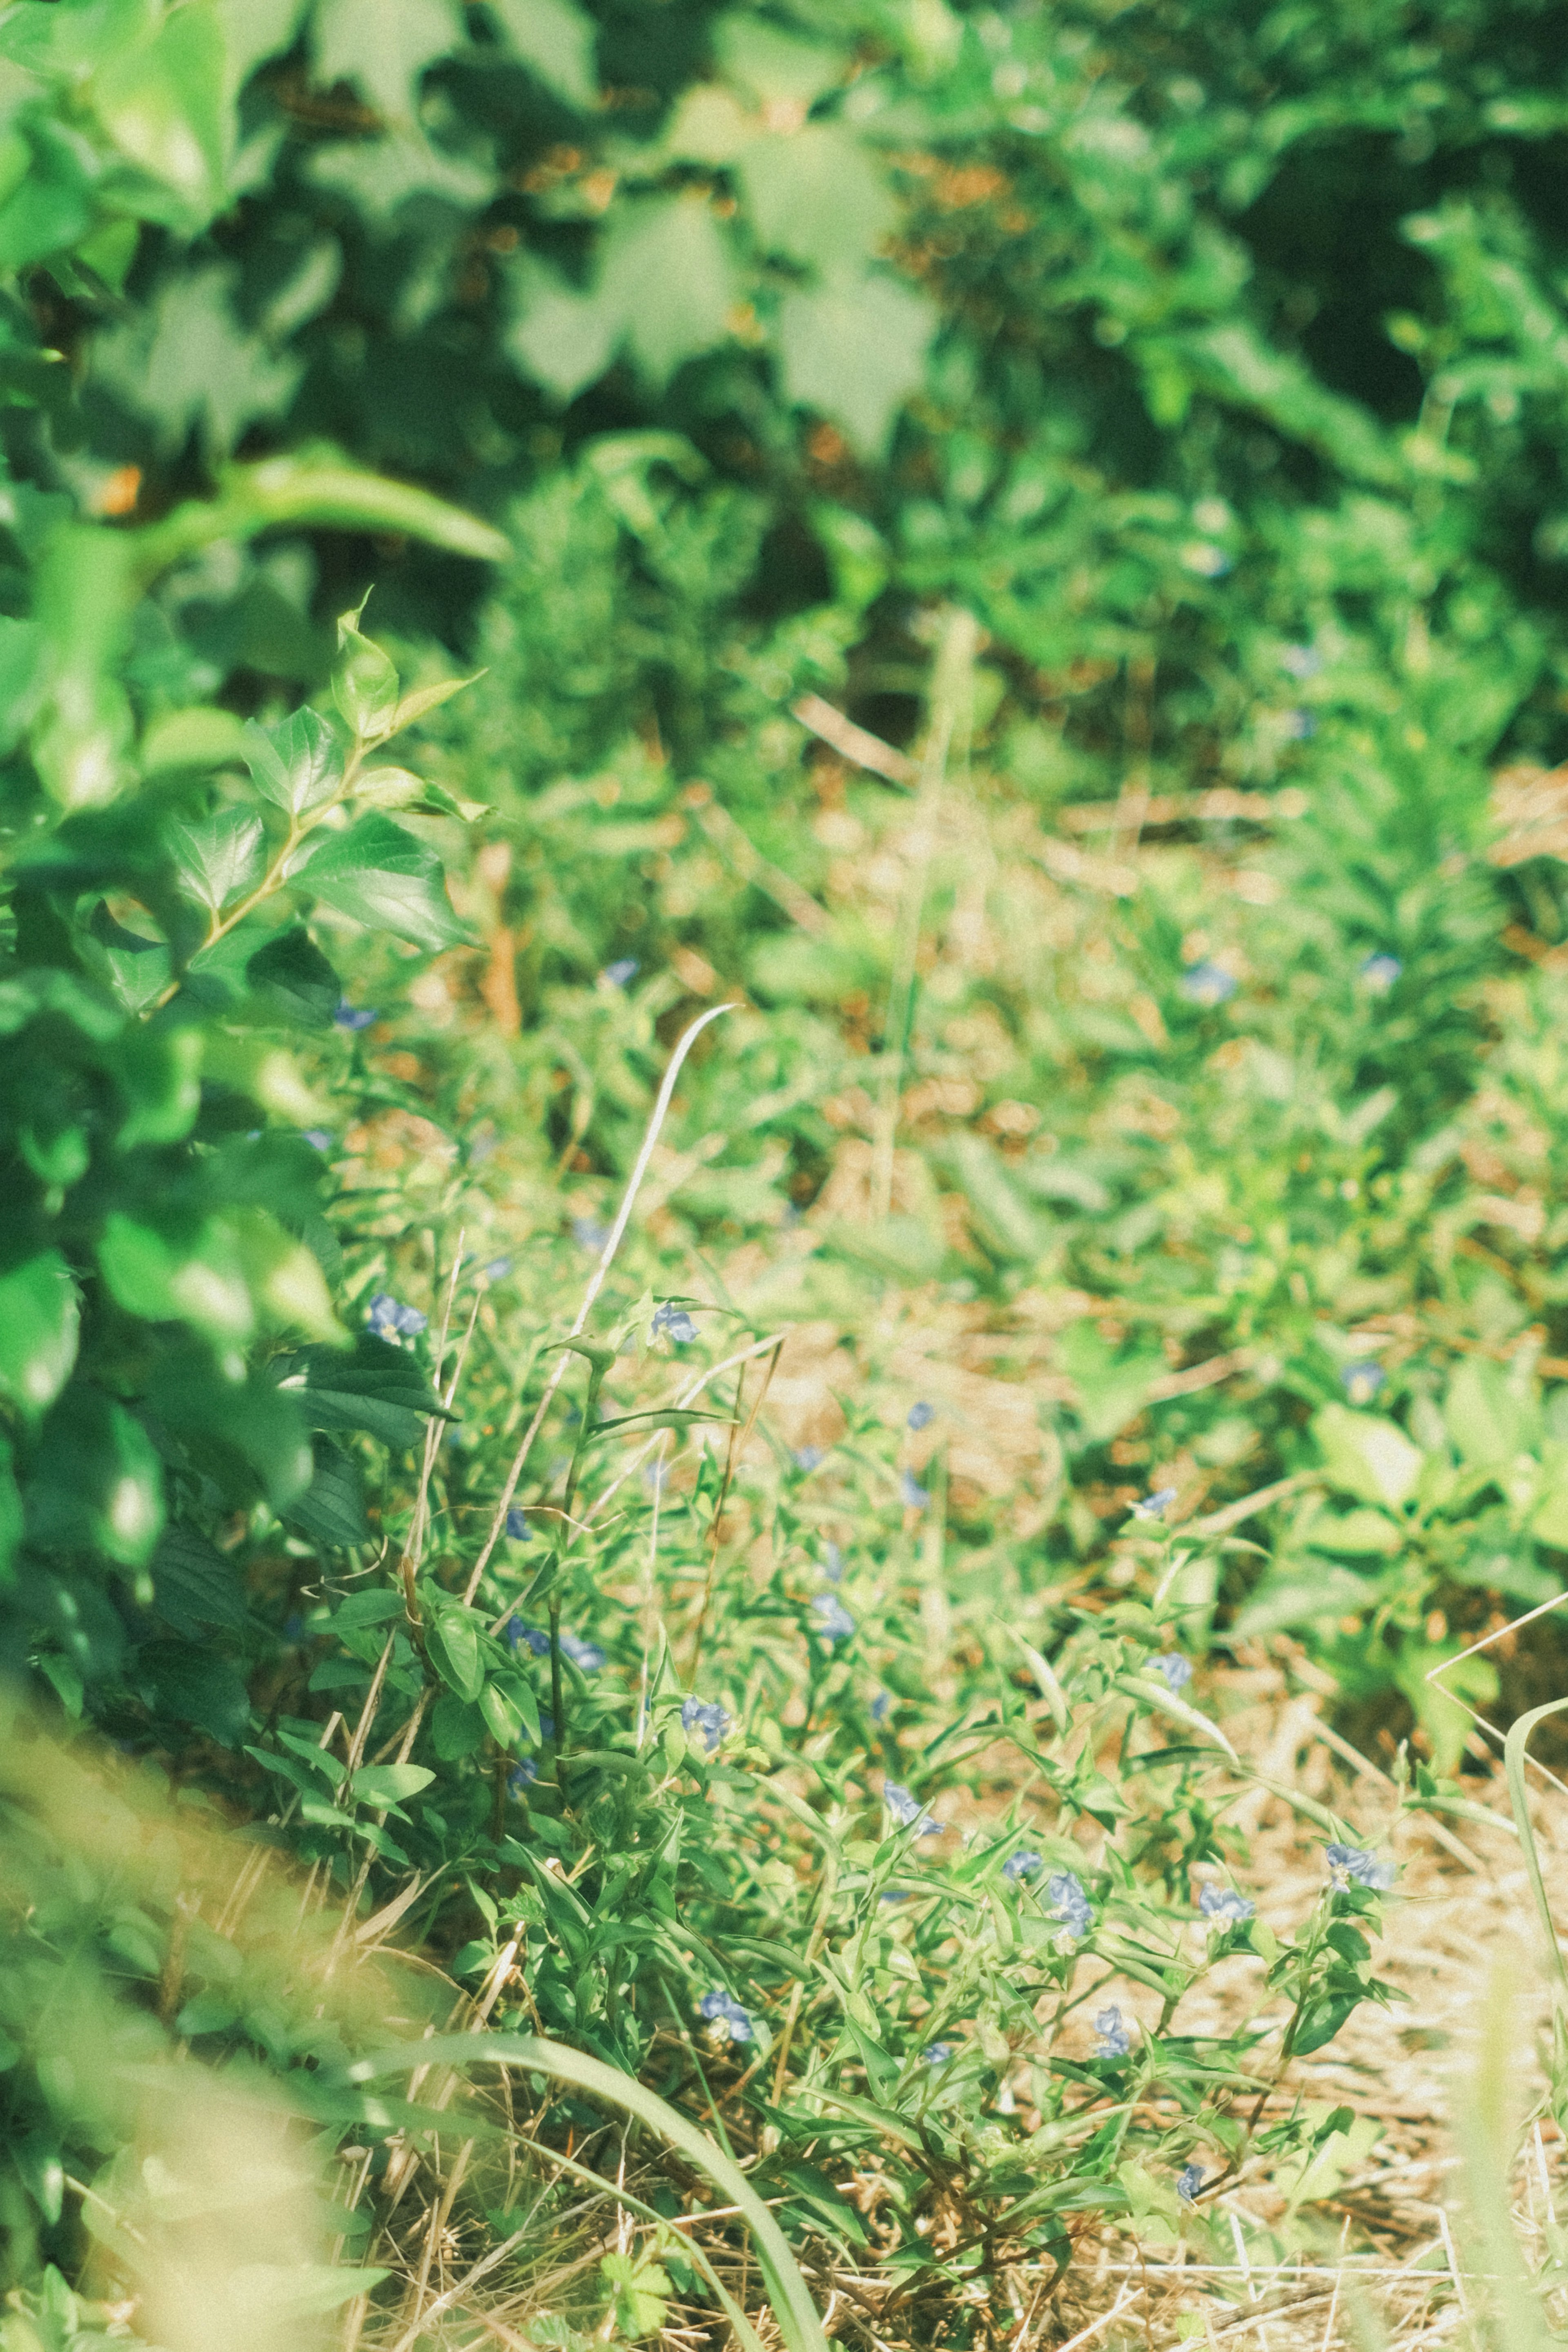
(854, 350)
(240, 1435)
(96, 1482)
(383, 876)
(162, 103)
(503, 1721)
(638, 2290)
(816, 197)
(384, 48)
(1488, 1422)
(310, 486)
(373, 1386)
(39, 1320)
(667, 272)
(562, 339)
(364, 680)
(168, 1274)
(555, 41)
(429, 698)
(332, 1510)
(292, 977)
(299, 764)
(384, 1785)
(188, 1682)
(218, 858)
(1367, 1456)
(1321, 2019)
(158, 1071)
(193, 1586)
(11, 1515)
(452, 1637)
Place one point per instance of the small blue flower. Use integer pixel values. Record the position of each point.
(319, 1137)
(529, 1637)
(674, 1323)
(1173, 1670)
(1381, 972)
(655, 1476)
(706, 1717)
(1020, 1865)
(1069, 1903)
(937, 2054)
(908, 1812)
(517, 1527)
(808, 1458)
(1300, 662)
(721, 2008)
(1224, 1903)
(350, 1016)
(1361, 1382)
(1300, 726)
(833, 1566)
(589, 1234)
(621, 972)
(915, 1496)
(1190, 2182)
(1111, 2037)
(388, 1317)
(921, 1415)
(522, 1777)
(1348, 1861)
(834, 1622)
(586, 1656)
(1207, 984)
(1155, 1505)
(496, 1269)
(880, 1707)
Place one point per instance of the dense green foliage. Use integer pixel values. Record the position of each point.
(1152, 426)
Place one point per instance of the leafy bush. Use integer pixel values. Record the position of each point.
(1149, 428)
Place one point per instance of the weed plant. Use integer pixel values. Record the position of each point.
(658, 1371)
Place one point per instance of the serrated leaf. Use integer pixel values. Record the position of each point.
(219, 858)
(429, 698)
(555, 41)
(299, 764)
(667, 272)
(383, 876)
(856, 351)
(39, 1320)
(816, 195)
(291, 977)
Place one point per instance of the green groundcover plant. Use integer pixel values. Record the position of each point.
(1146, 429)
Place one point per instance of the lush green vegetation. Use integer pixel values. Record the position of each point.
(676, 1562)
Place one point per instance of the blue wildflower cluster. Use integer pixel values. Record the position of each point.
(1111, 2039)
(915, 1496)
(1155, 1505)
(834, 1622)
(705, 1716)
(319, 1137)
(1348, 1863)
(720, 2008)
(1223, 1902)
(808, 1458)
(517, 1527)
(908, 1812)
(389, 1319)
(920, 1416)
(1361, 1382)
(1173, 1669)
(674, 1324)
(1069, 1903)
(1380, 973)
(521, 1776)
(1019, 1866)
(587, 1657)
(352, 1016)
(937, 2054)
(589, 1234)
(621, 972)
(1207, 984)
(1189, 2182)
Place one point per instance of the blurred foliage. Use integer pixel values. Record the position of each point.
(1148, 425)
